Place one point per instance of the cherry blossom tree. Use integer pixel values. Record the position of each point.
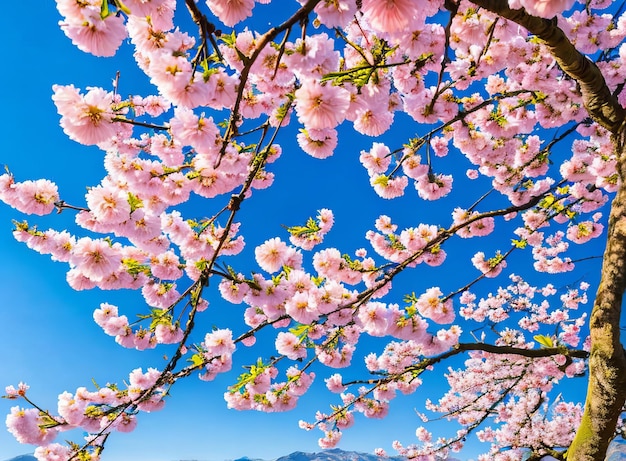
(529, 93)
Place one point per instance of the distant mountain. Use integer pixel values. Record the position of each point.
(334, 454)
(245, 458)
(337, 454)
(616, 452)
(23, 458)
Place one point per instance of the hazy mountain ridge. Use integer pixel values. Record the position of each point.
(334, 454)
(23, 458)
(616, 452)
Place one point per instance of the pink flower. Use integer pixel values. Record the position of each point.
(12, 393)
(272, 254)
(390, 15)
(430, 305)
(330, 439)
(162, 295)
(95, 259)
(230, 12)
(53, 452)
(387, 187)
(85, 119)
(198, 132)
(334, 384)
(335, 13)
(138, 379)
(489, 267)
(108, 205)
(318, 143)
(545, 8)
(144, 7)
(302, 307)
(219, 342)
(433, 187)
(374, 316)
(321, 106)
(289, 345)
(105, 313)
(92, 34)
(36, 197)
(377, 159)
(584, 231)
(27, 426)
(166, 266)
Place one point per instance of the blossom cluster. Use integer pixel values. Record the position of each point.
(480, 91)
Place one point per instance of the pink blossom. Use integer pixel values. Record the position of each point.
(12, 393)
(27, 426)
(108, 205)
(389, 15)
(35, 197)
(199, 132)
(584, 231)
(330, 439)
(92, 34)
(168, 333)
(145, 7)
(137, 378)
(545, 8)
(387, 187)
(321, 106)
(162, 295)
(52, 452)
(377, 159)
(289, 345)
(374, 317)
(335, 13)
(302, 307)
(95, 259)
(104, 313)
(230, 12)
(431, 306)
(433, 187)
(86, 119)
(489, 267)
(271, 255)
(334, 383)
(219, 342)
(318, 143)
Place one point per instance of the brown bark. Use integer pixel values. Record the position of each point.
(606, 390)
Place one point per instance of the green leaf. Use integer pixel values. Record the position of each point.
(104, 9)
(160, 317)
(228, 39)
(545, 341)
(381, 180)
(134, 202)
(521, 244)
(300, 330)
(197, 360)
(311, 227)
(120, 6)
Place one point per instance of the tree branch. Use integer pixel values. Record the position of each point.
(597, 97)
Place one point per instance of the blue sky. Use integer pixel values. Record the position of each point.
(49, 339)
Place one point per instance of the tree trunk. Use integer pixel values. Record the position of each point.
(606, 392)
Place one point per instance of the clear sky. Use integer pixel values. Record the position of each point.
(49, 339)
